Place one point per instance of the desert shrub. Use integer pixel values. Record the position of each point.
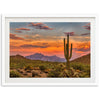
(57, 71)
(80, 66)
(15, 74)
(28, 68)
(66, 73)
(42, 67)
(84, 68)
(84, 75)
(53, 73)
(70, 72)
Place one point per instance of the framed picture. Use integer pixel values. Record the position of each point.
(48, 50)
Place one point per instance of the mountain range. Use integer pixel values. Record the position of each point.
(39, 56)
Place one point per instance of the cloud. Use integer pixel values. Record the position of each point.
(87, 26)
(13, 47)
(69, 33)
(33, 37)
(13, 36)
(45, 43)
(45, 27)
(18, 31)
(83, 47)
(26, 36)
(40, 26)
(25, 29)
(85, 34)
(36, 24)
(80, 38)
(36, 46)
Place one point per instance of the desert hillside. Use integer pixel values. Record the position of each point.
(23, 67)
(84, 59)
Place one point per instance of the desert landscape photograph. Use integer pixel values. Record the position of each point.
(50, 50)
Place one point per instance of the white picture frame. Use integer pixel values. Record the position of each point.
(6, 81)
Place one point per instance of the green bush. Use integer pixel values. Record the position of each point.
(56, 72)
(28, 68)
(42, 67)
(15, 74)
(80, 66)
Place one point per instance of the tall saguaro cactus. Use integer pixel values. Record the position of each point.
(67, 54)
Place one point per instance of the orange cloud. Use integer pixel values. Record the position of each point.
(27, 36)
(83, 47)
(30, 46)
(36, 24)
(13, 36)
(45, 27)
(40, 26)
(18, 31)
(26, 29)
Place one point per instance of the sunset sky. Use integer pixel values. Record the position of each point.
(27, 38)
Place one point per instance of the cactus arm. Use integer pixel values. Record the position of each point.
(68, 39)
(67, 47)
(64, 46)
(65, 53)
(70, 51)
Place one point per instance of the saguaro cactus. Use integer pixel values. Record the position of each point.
(67, 54)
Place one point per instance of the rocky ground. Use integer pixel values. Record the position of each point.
(36, 72)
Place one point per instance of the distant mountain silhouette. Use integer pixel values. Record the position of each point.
(39, 56)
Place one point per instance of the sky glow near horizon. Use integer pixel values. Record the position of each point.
(28, 38)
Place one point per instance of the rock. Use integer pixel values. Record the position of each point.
(20, 70)
(24, 73)
(36, 68)
(29, 71)
(47, 70)
(34, 73)
(29, 74)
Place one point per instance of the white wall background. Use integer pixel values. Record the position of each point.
(53, 7)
